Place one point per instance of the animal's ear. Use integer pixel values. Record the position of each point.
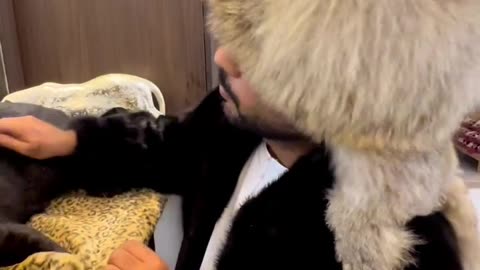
(116, 110)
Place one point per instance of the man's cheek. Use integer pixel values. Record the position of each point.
(244, 92)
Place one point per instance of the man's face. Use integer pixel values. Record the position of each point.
(244, 109)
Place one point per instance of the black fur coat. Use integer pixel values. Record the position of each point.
(200, 157)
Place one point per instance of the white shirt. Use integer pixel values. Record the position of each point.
(260, 170)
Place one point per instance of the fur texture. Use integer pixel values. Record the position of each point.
(461, 213)
(385, 83)
(372, 74)
(375, 195)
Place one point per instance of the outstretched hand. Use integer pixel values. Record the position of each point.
(35, 138)
(134, 255)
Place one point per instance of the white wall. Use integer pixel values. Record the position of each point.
(169, 231)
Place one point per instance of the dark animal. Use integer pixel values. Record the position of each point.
(26, 188)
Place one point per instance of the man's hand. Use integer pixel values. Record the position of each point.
(35, 138)
(135, 256)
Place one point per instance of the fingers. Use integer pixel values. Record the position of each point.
(29, 149)
(112, 267)
(13, 126)
(124, 260)
(134, 255)
(14, 144)
(21, 135)
(140, 250)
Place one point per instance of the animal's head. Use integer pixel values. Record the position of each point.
(378, 74)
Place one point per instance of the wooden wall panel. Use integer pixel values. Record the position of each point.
(3, 75)
(11, 52)
(210, 48)
(71, 41)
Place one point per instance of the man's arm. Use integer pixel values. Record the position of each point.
(135, 150)
(123, 150)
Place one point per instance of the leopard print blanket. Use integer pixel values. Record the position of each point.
(91, 228)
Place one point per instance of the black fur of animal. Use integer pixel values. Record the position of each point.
(26, 188)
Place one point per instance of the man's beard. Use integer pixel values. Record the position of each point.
(255, 125)
(265, 131)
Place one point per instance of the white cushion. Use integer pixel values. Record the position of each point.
(95, 96)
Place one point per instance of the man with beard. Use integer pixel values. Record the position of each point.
(326, 146)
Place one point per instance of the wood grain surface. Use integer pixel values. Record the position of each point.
(11, 49)
(71, 41)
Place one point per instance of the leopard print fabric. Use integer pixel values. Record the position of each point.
(92, 228)
(50, 260)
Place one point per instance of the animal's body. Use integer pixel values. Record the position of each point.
(26, 188)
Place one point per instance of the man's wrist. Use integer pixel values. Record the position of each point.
(70, 142)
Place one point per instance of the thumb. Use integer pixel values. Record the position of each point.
(11, 143)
